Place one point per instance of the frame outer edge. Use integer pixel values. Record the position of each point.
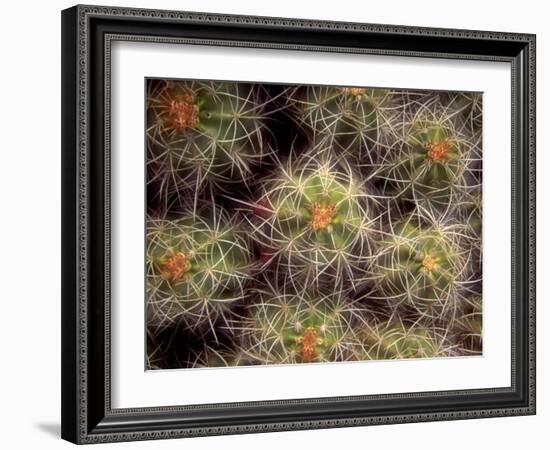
(532, 183)
(297, 23)
(75, 181)
(69, 289)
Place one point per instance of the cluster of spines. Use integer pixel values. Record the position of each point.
(365, 230)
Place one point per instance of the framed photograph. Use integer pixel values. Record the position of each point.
(279, 224)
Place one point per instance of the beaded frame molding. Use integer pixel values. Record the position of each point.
(87, 35)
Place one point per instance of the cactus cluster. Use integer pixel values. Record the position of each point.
(306, 224)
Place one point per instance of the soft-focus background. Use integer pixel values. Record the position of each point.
(30, 225)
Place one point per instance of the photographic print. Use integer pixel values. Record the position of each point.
(292, 224)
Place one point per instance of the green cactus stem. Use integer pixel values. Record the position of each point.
(422, 266)
(430, 166)
(346, 119)
(286, 327)
(204, 133)
(314, 218)
(197, 267)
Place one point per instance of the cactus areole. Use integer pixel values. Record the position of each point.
(437, 151)
(355, 91)
(429, 263)
(308, 343)
(321, 215)
(182, 112)
(176, 266)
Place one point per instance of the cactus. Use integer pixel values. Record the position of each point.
(434, 162)
(286, 326)
(204, 133)
(430, 164)
(314, 219)
(422, 266)
(197, 268)
(346, 119)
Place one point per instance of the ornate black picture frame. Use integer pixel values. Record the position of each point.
(87, 35)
